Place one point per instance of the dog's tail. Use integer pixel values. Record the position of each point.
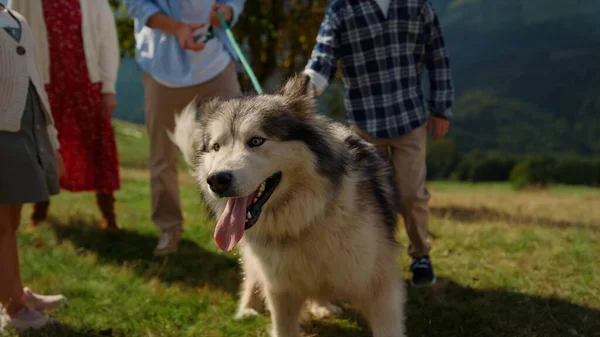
(186, 133)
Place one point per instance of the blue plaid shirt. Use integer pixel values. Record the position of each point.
(383, 59)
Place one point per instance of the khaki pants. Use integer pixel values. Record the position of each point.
(408, 158)
(161, 105)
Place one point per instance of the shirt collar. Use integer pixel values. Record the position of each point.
(384, 5)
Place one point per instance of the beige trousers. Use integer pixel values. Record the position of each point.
(161, 105)
(408, 158)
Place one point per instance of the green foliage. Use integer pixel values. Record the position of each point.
(464, 171)
(573, 170)
(478, 166)
(493, 168)
(569, 170)
(442, 158)
(277, 36)
(533, 171)
(519, 176)
(538, 170)
(124, 29)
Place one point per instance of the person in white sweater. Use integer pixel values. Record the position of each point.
(31, 164)
(78, 56)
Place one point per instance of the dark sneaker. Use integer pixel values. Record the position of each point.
(422, 270)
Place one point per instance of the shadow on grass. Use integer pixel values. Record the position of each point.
(452, 310)
(63, 330)
(446, 310)
(470, 215)
(192, 266)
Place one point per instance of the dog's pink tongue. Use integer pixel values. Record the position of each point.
(230, 226)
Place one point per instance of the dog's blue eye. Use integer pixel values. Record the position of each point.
(256, 142)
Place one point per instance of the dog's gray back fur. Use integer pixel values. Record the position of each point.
(378, 178)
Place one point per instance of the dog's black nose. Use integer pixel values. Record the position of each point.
(220, 182)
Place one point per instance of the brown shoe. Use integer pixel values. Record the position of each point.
(106, 203)
(39, 213)
(168, 243)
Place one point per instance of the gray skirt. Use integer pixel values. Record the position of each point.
(27, 165)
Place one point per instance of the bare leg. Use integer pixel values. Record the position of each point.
(285, 311)
(106, 204)
(39, 213)
(11, 288)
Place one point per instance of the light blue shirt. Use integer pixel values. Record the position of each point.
(159, 53)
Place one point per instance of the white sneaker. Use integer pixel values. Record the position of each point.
(28, 319)
(168, 243)
(38, 302)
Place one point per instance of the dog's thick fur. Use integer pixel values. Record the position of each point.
(327, 231)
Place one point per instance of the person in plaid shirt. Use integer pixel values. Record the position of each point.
(384, 46)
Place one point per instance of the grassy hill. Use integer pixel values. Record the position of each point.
(509, 264)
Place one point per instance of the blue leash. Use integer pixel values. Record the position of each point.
(240, 55)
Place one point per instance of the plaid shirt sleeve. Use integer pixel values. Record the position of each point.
(438, 66)
(324, 57)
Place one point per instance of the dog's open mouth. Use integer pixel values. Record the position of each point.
(259, 198)
(242, 213)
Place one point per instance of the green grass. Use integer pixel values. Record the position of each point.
(510, 264)
(132, 145)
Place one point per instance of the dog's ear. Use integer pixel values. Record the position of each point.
(297, 87)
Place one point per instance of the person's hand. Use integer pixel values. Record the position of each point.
(109, 103)
(438, 126)
(60, 165)
(185, 36)
(225, 10)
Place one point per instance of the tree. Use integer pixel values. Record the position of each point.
(276, 36)
(124, 29)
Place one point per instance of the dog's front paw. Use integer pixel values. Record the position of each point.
(322, 310)
(246, 313)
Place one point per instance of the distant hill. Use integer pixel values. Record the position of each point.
(527, 75)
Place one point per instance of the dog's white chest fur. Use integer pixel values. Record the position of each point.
(316, 262)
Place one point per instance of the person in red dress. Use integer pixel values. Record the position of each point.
(79, 64)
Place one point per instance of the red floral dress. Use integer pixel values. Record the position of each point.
(85, 133)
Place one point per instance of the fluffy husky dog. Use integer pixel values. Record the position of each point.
(311, 206)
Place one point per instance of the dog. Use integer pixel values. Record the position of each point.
(311, 206)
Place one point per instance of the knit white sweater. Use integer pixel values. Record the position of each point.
(17, 67)
(100, 42)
